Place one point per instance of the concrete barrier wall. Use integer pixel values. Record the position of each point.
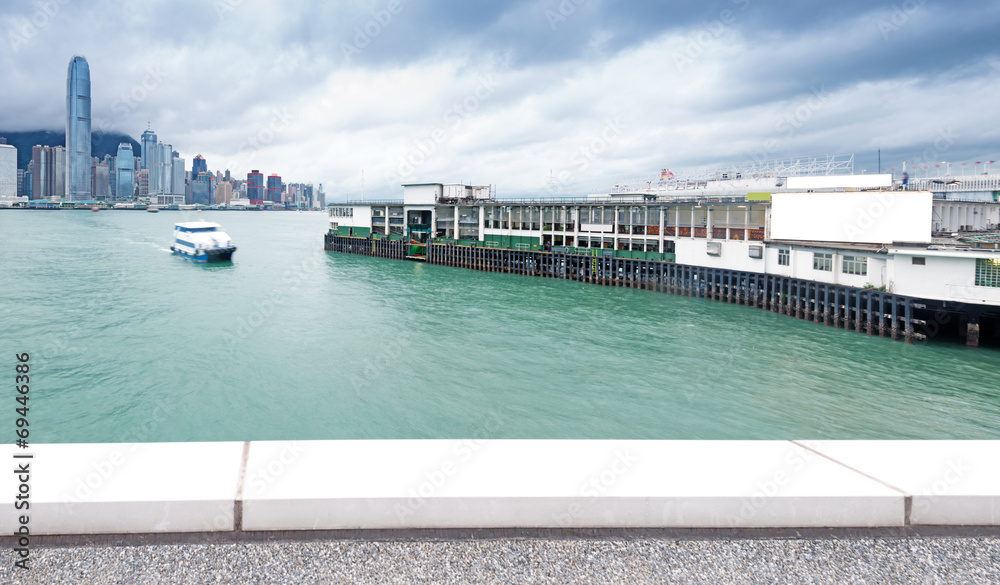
(327, 485)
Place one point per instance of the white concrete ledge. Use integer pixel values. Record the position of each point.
(480, 484)
(123, 487)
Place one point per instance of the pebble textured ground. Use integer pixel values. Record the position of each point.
(925, 561)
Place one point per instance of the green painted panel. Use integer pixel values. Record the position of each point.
(758, 196)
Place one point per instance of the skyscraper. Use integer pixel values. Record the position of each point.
(160, 166)
(100, 187)
(223, 193)
(274, 188)
(78, 130)
(49, 172)
(125, 162)
(177, 181)
(255, 187)
(8, 171)
(147, 140)
(198, 166)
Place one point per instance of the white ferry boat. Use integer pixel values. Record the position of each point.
(202, 241)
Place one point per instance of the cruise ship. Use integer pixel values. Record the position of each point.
(202, 241)
(806, 237)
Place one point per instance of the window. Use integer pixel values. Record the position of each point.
(784, 257)
(919, 261)
(823, 261)
(988, 272)
(855, 265)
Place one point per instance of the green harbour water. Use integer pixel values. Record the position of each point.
(130, 343)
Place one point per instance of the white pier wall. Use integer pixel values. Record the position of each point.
(474, 483)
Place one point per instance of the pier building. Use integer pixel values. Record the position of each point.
(854, 251)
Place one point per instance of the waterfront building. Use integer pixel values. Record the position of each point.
(142, 183)
(847, 249)
(177, 181)
(320, 197)
(100, 187)
(274, 189)
(20, 182)
(223, 193)
(26, 184)
(8, 172)
(198, 166)
(78, 130)
(146, 142)
(203, 189)
(48, 172)
(125, 172)
(160, 167)
(255, 187)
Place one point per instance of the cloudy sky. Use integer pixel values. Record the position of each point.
(538, 97)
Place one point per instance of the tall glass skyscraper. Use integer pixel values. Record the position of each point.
(125, 161)
(78, 130)
(147, 142)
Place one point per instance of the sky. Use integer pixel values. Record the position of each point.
(536, 97)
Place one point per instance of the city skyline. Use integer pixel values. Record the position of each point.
(537, 97)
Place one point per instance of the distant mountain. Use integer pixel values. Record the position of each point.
(101, 143)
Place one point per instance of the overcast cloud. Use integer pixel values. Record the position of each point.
(509, 93)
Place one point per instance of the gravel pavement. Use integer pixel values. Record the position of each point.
(945, 561)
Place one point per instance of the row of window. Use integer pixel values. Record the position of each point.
(824, 261)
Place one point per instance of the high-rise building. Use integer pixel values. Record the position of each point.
(8, 171)
(146, 141)
(274, 187)
(125, 172)
(161, 168)
(320, 197)
(198, 166)
(223, 193)
(142, 183)
(255, 187)
(201, 189)
(100, 184)
(177, 180)
(78, 130)
(20, 182)
(49, 172)
(26, 192)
